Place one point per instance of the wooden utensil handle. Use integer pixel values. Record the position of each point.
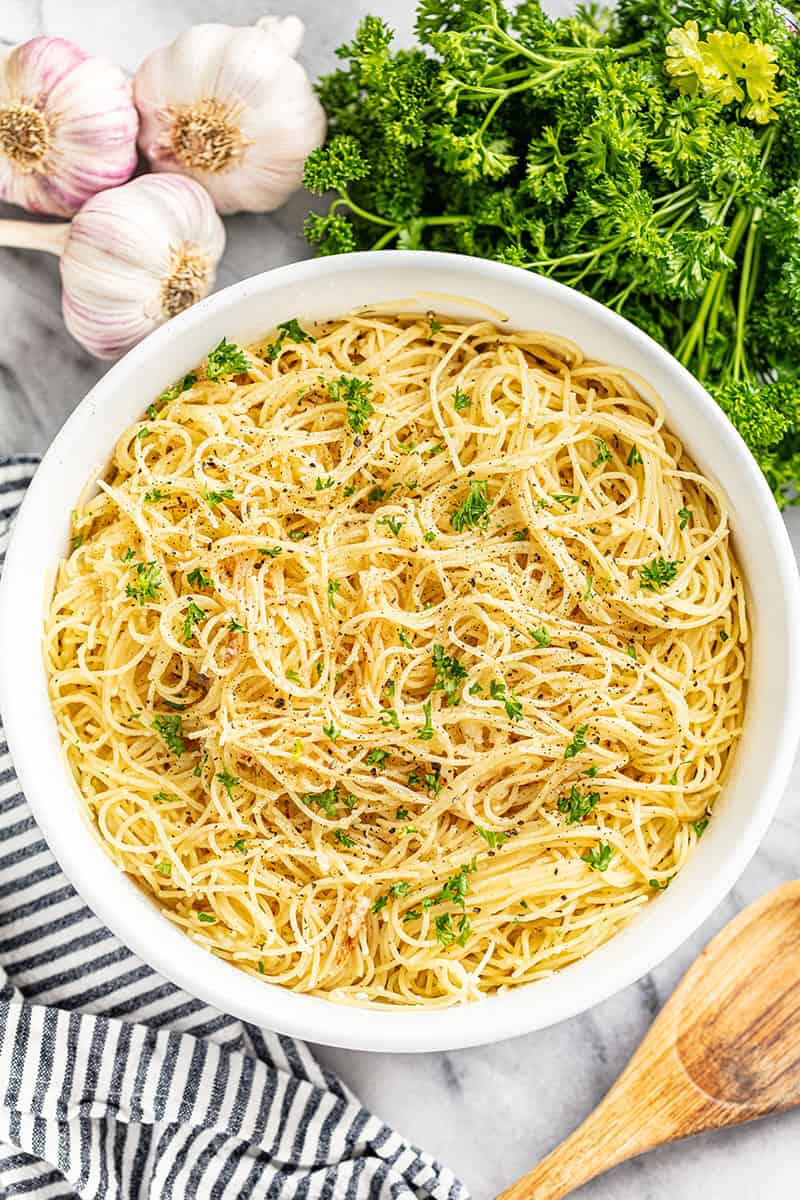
(584, 1154)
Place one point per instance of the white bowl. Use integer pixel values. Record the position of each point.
(327, 288)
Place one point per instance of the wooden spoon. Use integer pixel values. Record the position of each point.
(724, 1049)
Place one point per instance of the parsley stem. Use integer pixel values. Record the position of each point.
(695, 331)
(745, 292)
(361, 212)
(385, 238)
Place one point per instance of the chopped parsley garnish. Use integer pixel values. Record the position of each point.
(577, 806)
(521, 535)
(447, 932)
(239, 843)
(425, 732)
(214, 499)
(286, 329)
(356, 394)
(331, 731)
(433, 781)
(235, 627)
(512, 705)
(389, 717)
(343, 838)
(475, 690)
(333, 587)
(603, 453)
(326, 800)
(229, 782)
(565, 497)
(413, 914)
(473, 512)
(164, 868)
(392, 523)
(449, 674)
(592, 771)
(171, 730)
(634, 457)
(147, 584)
(164, 798)
(129, 554)
(322, 485)
(660, 887)
(454, 890)
(206, 918)
(589, 587)
(430, 536)
(377, 758)
(271, 552)
(76, 540)
(295, 678)
(540, 636)
(227, 359)
(723, 637)
(350, 490)
(599, 856)
(578, 742)
(297, 535)
(630, 650)
(143, 433)
(395, 889)
(460, 400)
(194, 616)
(171, 393)
(405, 639)
(435, 325)
(684, 517)
(198, 579)
(154, 495)
(492, 838)
(700, 826)
(657, 574)
(402, 814)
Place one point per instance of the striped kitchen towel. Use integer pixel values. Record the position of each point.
(116, 1084)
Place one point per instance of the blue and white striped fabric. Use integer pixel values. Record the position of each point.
(117, 1085)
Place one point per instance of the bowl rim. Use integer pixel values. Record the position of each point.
(315, 1018)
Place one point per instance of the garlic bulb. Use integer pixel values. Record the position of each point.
(133, 257)
(67, 126)
(232, 108)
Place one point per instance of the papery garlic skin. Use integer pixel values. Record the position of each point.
(67, 126)
(231, 108)
(136, 256)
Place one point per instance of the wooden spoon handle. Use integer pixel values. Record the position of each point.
(636, 1115)
(724, 1049)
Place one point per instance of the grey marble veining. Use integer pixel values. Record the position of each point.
(490, 1112)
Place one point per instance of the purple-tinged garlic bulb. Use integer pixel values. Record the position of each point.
(133, 257)
(67, 126)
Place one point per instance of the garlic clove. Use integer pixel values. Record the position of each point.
(67, 126)
(288, 30)
(231, 108)
(136, 256)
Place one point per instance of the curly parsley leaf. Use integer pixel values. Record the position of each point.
(227, 359)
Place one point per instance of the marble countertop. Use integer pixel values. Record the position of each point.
(491, 1112)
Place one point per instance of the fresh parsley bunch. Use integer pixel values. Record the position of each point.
(649, 157)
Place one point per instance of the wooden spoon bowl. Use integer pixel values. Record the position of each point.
(724, 1049)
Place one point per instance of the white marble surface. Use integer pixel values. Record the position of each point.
(490, 1113)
